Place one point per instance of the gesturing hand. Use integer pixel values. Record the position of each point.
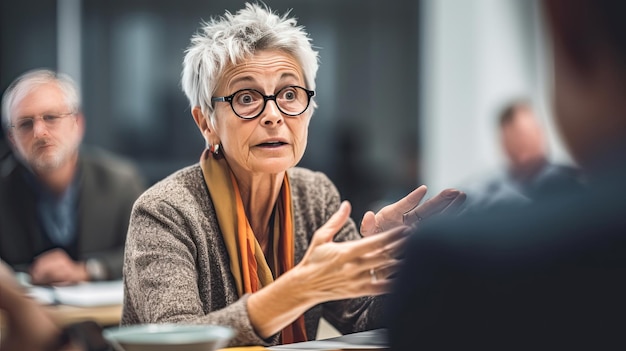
(328, 271)
(408, 210)
(339, 270)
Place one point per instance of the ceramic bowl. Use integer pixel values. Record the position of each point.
(168, 337)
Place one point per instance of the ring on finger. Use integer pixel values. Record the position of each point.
(373, 277)
(406, 217)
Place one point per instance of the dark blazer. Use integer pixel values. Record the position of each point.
(108, 187)
(548, 276)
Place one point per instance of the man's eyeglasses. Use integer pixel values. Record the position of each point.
(25, 125)
(250, 103)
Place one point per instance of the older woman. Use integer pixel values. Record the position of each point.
(244, 238)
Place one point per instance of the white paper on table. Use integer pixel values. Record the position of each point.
(321, 345)
(372, 339)
(43, 295)
(84, 294)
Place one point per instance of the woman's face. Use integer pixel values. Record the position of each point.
(272, 142)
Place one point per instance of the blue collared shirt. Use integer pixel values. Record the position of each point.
(57, 215)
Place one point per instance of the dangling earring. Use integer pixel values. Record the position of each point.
(214, 149)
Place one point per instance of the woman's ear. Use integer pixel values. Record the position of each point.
(203, 124)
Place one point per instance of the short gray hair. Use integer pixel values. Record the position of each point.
(233, 38)
(31, 79)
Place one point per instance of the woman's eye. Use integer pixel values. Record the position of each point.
(246, 99)
(289, 95)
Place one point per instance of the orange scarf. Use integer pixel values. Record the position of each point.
(248, 264)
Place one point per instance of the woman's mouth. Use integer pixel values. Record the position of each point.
(272, 144)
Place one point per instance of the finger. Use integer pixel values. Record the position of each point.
(35, 276)
(40, 276)
(431, 207)
(51, 268)
(334, 224)
(388, 270)
(386, 256)
(411, 217)
(51, 254)
(395, 249)
(408, 202)
(393, 215)
(381, 279)
(59, 276)
(369, 286)
(37, 271)
(375, 243)
(438, 203)
(381, 287)
(455, 206)
(368, 224)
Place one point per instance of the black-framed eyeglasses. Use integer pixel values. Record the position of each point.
(291, 100)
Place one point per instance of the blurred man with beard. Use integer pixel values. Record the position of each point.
(63, 211)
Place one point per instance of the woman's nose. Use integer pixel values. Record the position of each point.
(272, 115)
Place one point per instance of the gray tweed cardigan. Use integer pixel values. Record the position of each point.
(176, 267)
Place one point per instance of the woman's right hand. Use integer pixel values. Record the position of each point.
(339, 270)
(329, 271)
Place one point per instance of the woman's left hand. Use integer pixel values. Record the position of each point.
(408, 210)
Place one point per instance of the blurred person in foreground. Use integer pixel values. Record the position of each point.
(243, 238)
(26, 326)
(550, 276)
(63, 211)
(530, 174)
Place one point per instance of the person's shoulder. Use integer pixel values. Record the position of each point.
(563, 169)
(104, 161)
(9, 166)
(505, 215)
(181, 186)
(305, 174)
(572, 172)
(560, 171)
(5, 149)
(557, 179)
(189, 176)
(567, 225)
(491, 189)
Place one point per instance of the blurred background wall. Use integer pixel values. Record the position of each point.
(476, 56)
(407, 90)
